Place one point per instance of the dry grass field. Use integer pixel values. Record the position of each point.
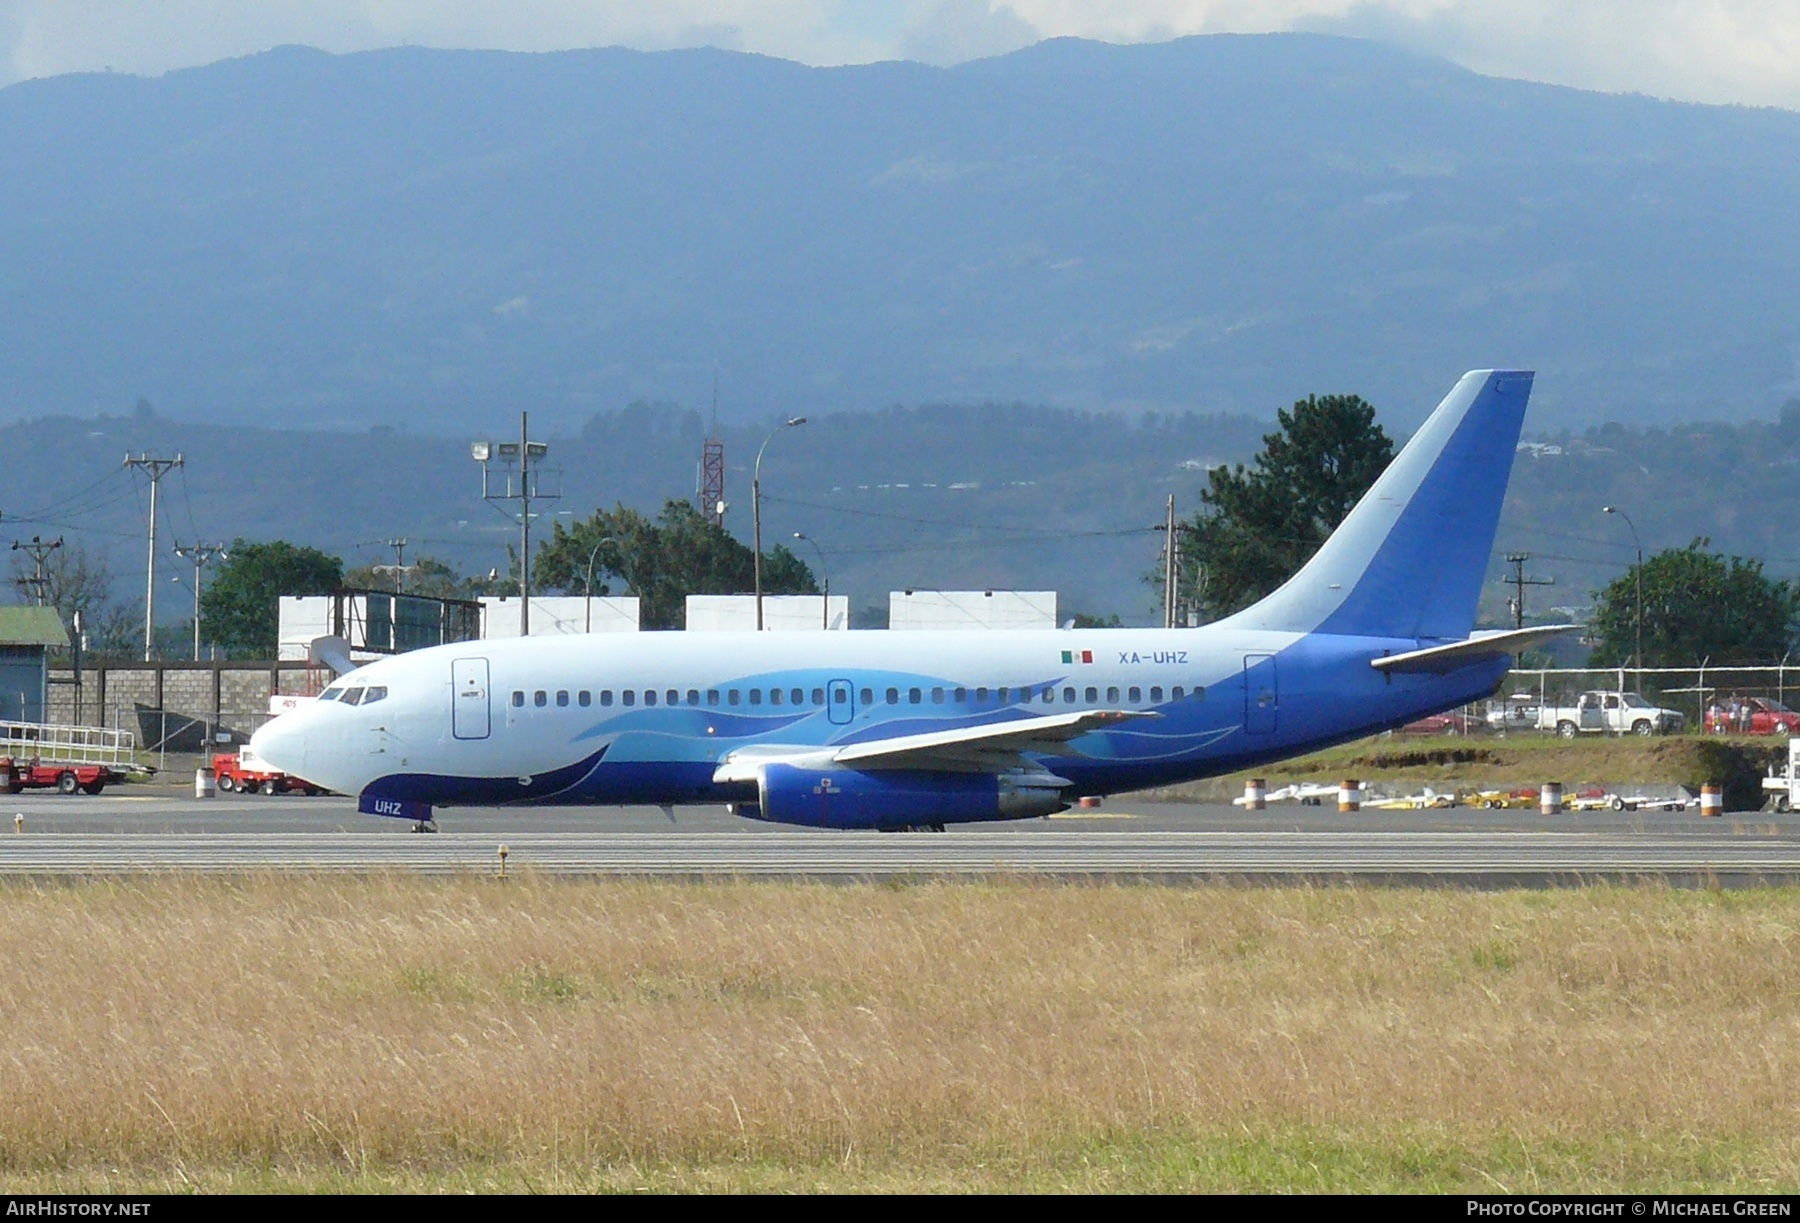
(392, 1032)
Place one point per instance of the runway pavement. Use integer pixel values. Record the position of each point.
(134, 833)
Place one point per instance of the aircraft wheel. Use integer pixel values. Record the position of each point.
(67, 784)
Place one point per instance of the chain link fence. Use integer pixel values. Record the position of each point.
(1627, 700)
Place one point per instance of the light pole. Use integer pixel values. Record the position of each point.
(825, 611)
(756, 508)
(1637, 653)
(529, 456)
(200, 554)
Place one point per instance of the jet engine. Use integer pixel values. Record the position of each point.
(898, 798)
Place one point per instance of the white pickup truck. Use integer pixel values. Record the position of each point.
(1616, 712)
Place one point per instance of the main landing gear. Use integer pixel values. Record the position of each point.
(425, 826)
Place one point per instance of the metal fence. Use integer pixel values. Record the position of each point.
(75, 744)
(1713, 700)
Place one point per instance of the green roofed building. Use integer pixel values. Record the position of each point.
(27, 635)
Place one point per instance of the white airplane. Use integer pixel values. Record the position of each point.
(906, 730)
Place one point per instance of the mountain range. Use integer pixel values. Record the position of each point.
(433, 240)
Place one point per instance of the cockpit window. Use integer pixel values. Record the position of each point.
(373, 694)
(332, 693)
(352, 696)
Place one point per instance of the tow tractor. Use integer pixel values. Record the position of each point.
(1782, 787)
(69, 759)
(244, 772)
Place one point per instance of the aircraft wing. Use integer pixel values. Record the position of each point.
(1442, 658)
(997, 747)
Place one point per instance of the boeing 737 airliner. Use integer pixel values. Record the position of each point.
(902, 730)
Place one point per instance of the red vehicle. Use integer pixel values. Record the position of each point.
(1456, 722)
(241, 772)
(66, 777)
(1751, 715)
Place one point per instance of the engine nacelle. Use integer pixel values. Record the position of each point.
(896, 798)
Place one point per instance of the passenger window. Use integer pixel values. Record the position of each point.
(774, 697)
(1199, 693)
(353, 696)
(371, 695)
(798, 697)
(1004, 695)
(756, 696)
(980, 695)
(1092, 696)
(649, 696)
(693, 696)
(672, 697)
(540, 698)
(1112, 696)
(627, 697)
(1069, 696)
(1155, 693)
(893, 696)
(914, 696)
(606, 696)
(1175, 693)
(712, 696)
(818, 696)
(1049, 696)
(731, 696)
(518, 699)
(937, 696)
(584, 698)
(868, 697)
(1135, 695)
(562, 698)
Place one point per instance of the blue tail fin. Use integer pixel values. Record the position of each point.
(1410, 559)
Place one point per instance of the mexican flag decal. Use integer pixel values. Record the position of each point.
(1074, 656)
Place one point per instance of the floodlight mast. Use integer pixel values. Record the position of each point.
(524, 452)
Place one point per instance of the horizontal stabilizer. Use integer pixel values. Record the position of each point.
(1440, 659)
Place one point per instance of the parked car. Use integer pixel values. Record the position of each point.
(1751, 715)
(1456, 722)
(1517, 712)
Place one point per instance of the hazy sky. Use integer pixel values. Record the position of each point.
(1744, 51)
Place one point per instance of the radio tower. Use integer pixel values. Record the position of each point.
(712, 466)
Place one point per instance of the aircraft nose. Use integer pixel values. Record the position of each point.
(281, 746)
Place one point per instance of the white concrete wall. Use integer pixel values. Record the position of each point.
(957, 609)
(781, 613)
(558, 615)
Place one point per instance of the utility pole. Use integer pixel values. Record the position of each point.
(156, 469)
(199, 554)
(756, 510)
(524, 452)
(1519, 582)
(1170, 566)
(39, 552)
(399, 547)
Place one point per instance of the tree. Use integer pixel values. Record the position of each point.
(1257, 526)
(77, 581)
(662, 561)
(1698, 605)
(240, 601)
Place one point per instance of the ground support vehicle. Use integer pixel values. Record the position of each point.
(1781, 788)
(70, 759)
(242, 772)
(1596, 712)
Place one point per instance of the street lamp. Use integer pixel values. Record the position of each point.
(1637, 654)
(756, 508)
(825, 611)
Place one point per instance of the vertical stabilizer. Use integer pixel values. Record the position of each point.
(1410, 559)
